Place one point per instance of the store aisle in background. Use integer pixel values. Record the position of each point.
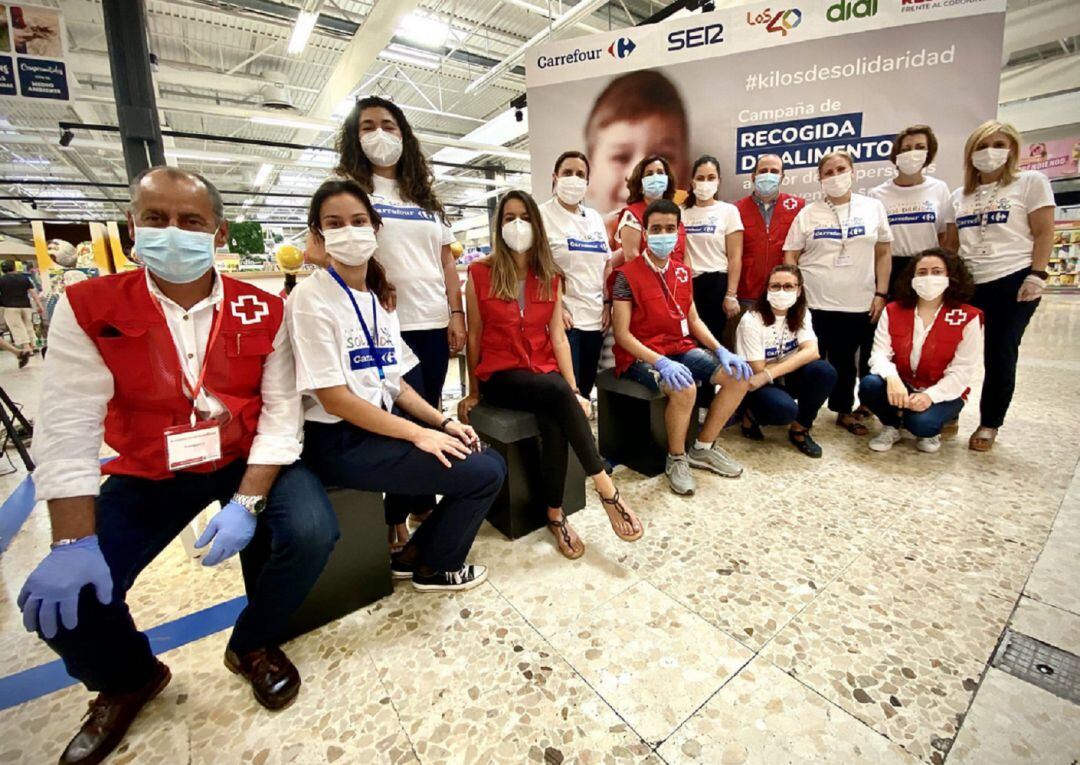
(841, 610)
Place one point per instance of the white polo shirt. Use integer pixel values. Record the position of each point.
(756, 342)
(410, 249)
(706, 235)
(334, 349)
(837, 247)
(1005, 244)
(579, 244)
(917, 214)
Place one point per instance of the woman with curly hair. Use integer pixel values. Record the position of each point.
(651, 179)
(379, 151)
(927, 349)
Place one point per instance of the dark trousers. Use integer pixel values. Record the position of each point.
(432, 348)
(873, 393)
(795, 397)
(840, 335)
(561, 420)
(137, 518)
(709, 292)
(585, 347)
(342, 454)
(1005, 319)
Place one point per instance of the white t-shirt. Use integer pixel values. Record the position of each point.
(756, 342)
(839, 277)
(331, 348)
(410, 249)
(580, 248)
(1005, 210)
(917, 214)
(706, 232)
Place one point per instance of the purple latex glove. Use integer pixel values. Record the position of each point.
(673, 374)
(231, 530)
(52, 589)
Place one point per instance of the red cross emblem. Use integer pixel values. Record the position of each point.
(956, 317)
(682, 276)
(249, 309)
(790, 203)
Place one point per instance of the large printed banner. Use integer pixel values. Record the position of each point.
(32, 53)
(796, 80)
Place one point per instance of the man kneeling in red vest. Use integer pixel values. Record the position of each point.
(657, 332)
(927, 349)
(189, 376)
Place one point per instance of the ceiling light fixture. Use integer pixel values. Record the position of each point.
(302, 29)
(66, 137)
(297, 123)
(263, 174)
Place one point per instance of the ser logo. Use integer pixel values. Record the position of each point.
(622, 47)
(695, 37)
(780, 21)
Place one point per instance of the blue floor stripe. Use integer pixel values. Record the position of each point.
(38, 681)
(15, 510)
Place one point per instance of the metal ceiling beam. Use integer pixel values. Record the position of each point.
(1038, 24)
(1043, 78)
(546, 12)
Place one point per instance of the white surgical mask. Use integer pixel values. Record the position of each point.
(518, 234)
(382, 148)
(570, 189)
(911, 162)
(989, 160)
(929, 287)
(781, 301)
(837, 185)
(705, 189)
(350, 245)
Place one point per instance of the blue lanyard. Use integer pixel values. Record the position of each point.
(360, 318)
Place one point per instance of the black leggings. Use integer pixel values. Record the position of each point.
(561, 421)
(709, 291)
(840, 334)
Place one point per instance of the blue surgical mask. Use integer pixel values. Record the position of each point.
(173, 254)
(654, 186)
(767, 184)
(661, 245)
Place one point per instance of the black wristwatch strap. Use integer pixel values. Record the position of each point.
(445, 422)
(1041, 274)
(881, 295)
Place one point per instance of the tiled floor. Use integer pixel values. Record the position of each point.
(833, 611)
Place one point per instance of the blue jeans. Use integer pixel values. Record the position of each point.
(585, 347)
(136, 520)
(795, 397)
(701, 363)
(874, 394)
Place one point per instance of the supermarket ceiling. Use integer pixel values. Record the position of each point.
(224, 68)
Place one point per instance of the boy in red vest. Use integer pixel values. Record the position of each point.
(657, 333)
(189, 376)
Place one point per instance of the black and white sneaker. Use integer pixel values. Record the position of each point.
(399, 569)
(468, 577)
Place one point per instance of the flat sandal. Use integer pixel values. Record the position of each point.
(559, 527)
(616, 502)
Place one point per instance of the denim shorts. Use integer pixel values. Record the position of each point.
(701, 363)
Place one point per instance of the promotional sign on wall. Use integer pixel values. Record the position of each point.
(798, 80)
(32, 53)
(1054, 159)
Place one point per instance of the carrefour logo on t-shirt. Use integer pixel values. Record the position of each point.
(404, 212)
(701, 228)
(363, 358)
(835, 233)
(773, 353)
(995, 216)
(901, 219)
(585, 245)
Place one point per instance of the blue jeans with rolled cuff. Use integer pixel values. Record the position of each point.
(873, 392)
(701, 363)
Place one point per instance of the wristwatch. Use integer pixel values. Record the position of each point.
(253, 504)
(1041, 274)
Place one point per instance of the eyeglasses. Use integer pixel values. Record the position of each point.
(783, 287)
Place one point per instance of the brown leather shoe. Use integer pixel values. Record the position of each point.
(274, 679)
(108, 719)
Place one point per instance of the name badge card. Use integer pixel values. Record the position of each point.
(685, 327)
(843, 258)
(983, 250)
(190, 445)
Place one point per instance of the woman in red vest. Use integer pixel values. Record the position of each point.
(519, 358)
(927, 349)
(652, 179)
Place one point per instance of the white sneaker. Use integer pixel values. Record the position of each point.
(928, 445)
(884, 440)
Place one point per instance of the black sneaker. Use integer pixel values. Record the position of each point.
(807, 445)
(468, 577)
(399, 569)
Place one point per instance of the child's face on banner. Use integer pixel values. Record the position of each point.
(619, 146)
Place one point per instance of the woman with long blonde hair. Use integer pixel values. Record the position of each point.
(519, 358)
(1005, 220)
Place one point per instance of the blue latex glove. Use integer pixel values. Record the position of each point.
(231, 530)
(53, 587)
(733, 364)
(674, 375)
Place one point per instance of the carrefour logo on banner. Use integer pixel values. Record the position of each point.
(622, 47)
(576, 56)
(780, 21)
(845, 10)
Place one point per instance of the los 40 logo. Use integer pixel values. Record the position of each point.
(776, 21)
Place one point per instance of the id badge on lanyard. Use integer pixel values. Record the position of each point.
(843, 258)
(199, 441)
(982, 210)
(384, 394)
(673, 304)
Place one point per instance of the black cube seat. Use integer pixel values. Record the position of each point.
(358, 571)
(631, 423)
(519, 509)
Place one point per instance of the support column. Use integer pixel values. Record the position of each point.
(133, 86)
(492, 203)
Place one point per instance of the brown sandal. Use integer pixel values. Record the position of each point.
(852, 426)
(982, 443)
(559, 529)
(616, 502)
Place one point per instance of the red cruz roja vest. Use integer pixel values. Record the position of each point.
(763, 246)
(938, 349)
(119, 316)
(513, 338)
(654, 319)
(637, 209)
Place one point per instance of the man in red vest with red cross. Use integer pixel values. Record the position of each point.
(767, 214)
(188, 375)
